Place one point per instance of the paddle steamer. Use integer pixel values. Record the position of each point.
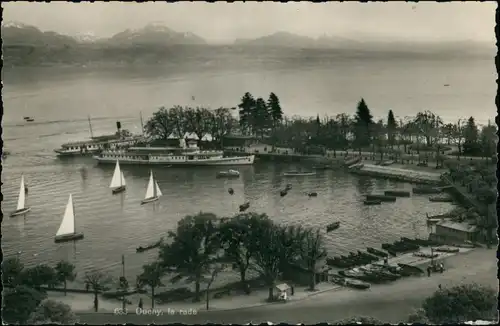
(189, 154)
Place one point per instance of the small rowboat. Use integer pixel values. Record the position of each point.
(372, 202)
(446, 249)
(332, 227)
(381, 198)
(357, 284)
(228, 174)
(151, 246)
(376, 252)
(298, 174)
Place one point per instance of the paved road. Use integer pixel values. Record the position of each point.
(390, 303)
(291, 314)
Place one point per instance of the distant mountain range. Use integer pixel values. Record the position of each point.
(27, 45)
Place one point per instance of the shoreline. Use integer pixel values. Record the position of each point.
(390, 302)
(257, 297)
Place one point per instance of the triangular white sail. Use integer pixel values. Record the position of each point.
(150, 190)
(158, 191)
(68, 222)
(22, 195)
(123, 180)
(116, 181)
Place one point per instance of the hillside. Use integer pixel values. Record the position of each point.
(17, 34)
(153, 44)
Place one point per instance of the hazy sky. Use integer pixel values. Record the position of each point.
(222, 22)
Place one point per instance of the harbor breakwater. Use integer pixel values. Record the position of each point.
(407, 175)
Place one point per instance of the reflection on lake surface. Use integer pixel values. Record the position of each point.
(116, 224)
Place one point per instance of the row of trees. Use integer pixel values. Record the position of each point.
(426, 131)
(256, 116)
(177, 121)
(479, 184)
(203, 245)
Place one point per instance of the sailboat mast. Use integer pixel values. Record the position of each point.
(90, 127)
(142, 124)
(154, 185)
(73, 206)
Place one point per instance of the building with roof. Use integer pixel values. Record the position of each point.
(449, 231)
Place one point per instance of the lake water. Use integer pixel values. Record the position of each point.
(116, 225)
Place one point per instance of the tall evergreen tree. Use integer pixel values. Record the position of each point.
(246, 106)
(488, 141)
(275, 111)
(363, 124)
(260, 117)
(471, 137)
(391, 128)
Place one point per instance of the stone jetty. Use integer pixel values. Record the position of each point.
(408, 175)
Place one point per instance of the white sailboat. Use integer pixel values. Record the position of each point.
(118, 181)
(153, 192)
(21, 200)
(67, 230)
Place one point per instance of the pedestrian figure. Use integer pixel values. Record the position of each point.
(429, 271)
(440, 286)
(87, 287)
(441, 268)
(140, 303)
(293, 290)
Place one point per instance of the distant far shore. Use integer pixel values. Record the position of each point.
(217, 57)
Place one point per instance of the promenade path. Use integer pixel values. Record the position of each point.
(390, 303)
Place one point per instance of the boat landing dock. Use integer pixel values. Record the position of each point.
(390, 172)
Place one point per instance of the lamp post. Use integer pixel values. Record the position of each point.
(123, 283)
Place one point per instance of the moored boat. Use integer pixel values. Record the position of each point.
(386, 163)
(446, 249)
(381, 198)
(372, 202)
(148, 247)
(333, 226)
(244, 206)
(352, 161)
(322, 167)
(298, 174)
(425, 255)
(99, 143)
(228, 174)
(339, 280)
(183, 155)
(95, 145)
(377, 252)
(357, 284)
(441, 199)
(397, 193)
(414, 270)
